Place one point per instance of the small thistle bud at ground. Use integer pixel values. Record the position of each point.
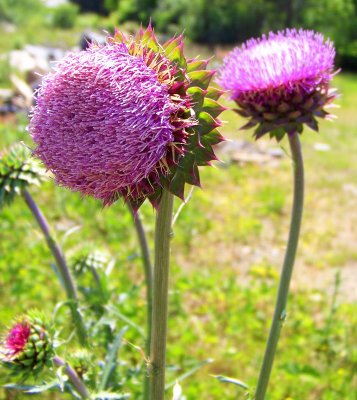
(17, 171)
(27, 346)
(281, 82)
(127, 119)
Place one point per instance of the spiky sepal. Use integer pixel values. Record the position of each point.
(17, 171)
(195, 121)
(28, 346)
(285, 113)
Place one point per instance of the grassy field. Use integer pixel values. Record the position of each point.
(227, 250)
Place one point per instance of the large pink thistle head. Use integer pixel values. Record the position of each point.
(281, 81)
(124, 119)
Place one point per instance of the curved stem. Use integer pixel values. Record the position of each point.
(160, 296)
(73, 377)
(148, 271)
(280, 308)
(61, 265)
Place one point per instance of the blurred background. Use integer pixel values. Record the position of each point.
(229, 240)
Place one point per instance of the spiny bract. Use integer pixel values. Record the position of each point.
(127, 119)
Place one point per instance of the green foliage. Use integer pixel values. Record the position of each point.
(95, 6)
(4, 72)
(17, 11)
(65, 15)
(336, 18)
(217, 310)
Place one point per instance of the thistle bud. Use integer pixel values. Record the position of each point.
(17, 171)
(27, 346)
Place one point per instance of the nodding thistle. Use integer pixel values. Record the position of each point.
(127, 119)
(281, 82)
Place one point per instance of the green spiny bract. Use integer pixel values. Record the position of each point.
(17, 171)
(28, 346)
(195, 123)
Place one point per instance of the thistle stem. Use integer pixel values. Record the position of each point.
(61, 265)
(160, 296)
(73, 377)
(148, 271)
(288, 265)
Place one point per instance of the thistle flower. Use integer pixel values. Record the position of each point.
(17, 171)
(126, 119)
(27, 346)
(281, 82)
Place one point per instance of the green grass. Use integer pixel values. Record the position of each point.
(227, 251)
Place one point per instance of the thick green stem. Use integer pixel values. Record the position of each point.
(148, 271)
(160, 297)
(73, 377)
(145, 254)
(61, 266)
(280, 308)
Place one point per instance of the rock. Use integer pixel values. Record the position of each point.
(242, 151)
(322, 147)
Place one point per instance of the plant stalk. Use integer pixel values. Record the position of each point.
(288, 265)
(160, 297)
(73, 377)
(148, 272)
(61, 265)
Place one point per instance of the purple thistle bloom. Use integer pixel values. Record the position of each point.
(102, 121)
(280, 81)
(17, 339)
(122, 120)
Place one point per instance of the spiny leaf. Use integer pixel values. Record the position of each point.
(111, 359)
(236, 382)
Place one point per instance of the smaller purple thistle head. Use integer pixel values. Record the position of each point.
(281, 82)
(124, 119)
